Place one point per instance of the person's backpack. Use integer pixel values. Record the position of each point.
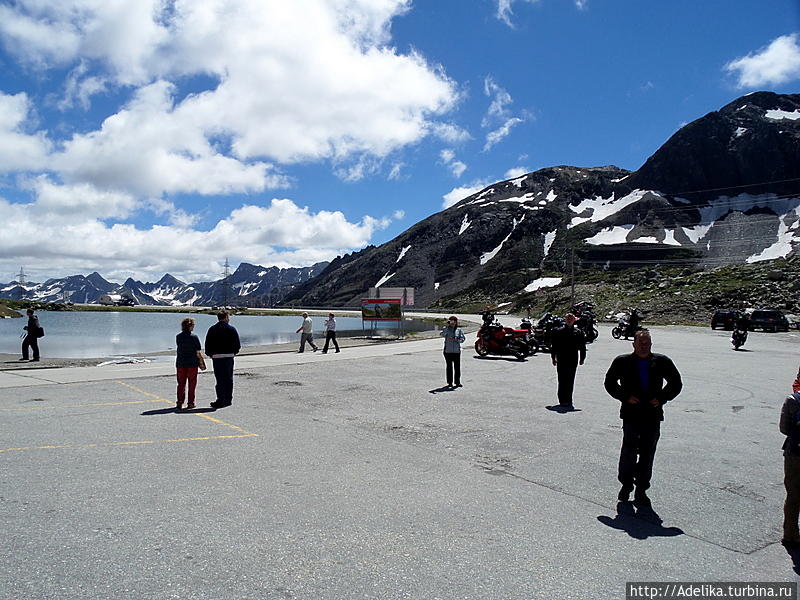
(40, 332)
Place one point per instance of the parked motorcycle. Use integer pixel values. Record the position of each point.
(493, 338)
(738, 338)
(543, 331)
(585, 322)
(624, 329)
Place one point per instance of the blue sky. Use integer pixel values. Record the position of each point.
(138, 138)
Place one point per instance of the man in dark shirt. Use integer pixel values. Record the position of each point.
(643, 382)
(567, 351)
(31, 337)
(222, 344)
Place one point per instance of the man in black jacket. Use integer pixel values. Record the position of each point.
(567, 351)
(31, 337)
(643, 382)
(222, 344)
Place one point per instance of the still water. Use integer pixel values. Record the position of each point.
(100, 334)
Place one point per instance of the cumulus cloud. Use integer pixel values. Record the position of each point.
(19, 150)
(308, 80)
(775, 64)
(457, 194)
(47, 230)
(516, 172)
(448, 158)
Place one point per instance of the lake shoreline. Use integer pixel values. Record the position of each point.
(10, 362)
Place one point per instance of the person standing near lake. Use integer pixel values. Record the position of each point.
(222, 344)
(33, 332)
(643, 382)
(453, 338)
(187, 362)
(330, 333)
(790, 427)
(307, 335)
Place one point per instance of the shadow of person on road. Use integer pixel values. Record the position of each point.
(638, 522)
(173, 410)
(444, 388)
(562, 409)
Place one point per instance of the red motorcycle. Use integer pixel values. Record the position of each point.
(493, 338)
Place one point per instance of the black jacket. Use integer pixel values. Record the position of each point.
(623, 381)
(568, 345)
(187, 345)
(222, 338)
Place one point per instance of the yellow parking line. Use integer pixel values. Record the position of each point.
(212, 419)
(76, 405)
(135, 443)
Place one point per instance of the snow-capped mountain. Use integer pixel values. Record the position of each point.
(725, 189)
(249, 284)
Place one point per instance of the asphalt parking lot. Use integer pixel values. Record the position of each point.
(358, 476)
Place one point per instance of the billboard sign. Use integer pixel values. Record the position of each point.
(404, 294)
(381, 309)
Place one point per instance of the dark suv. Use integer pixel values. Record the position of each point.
(769, 320)
(725, 319)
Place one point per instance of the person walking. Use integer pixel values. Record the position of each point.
(453, 338)
(330, 333)
(187, 362)
(307, 335)
(222, 344)
(790, 427)
(32, 334)
(643, 382)
(567, 351)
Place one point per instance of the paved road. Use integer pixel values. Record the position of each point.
(355, 475)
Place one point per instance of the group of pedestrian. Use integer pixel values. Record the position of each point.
(306, 331)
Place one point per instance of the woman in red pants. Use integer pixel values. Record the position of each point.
(187, 362)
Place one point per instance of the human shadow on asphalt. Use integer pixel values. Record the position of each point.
(173, 410)
(562, 409)
(638, 522)
(444, 388)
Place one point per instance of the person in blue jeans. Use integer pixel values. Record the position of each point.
(222, 344)
(453, 338)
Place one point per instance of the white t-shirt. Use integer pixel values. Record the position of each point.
(308, 325)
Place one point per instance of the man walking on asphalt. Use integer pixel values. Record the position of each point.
(307, 336)
(567, 350)
(222, 344)
(643, 382)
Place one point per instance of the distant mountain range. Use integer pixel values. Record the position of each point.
(724, 189)
(247, 285)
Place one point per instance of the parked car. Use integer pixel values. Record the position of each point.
(725, 319)
(769, 319)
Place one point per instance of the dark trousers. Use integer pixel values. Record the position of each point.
(566, 381)
(30, 341)
(639, 441)
(791, 508)
(223, 373)
(330, 336)
(453, 361)
(307, 337)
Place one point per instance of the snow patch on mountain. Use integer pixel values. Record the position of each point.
(549, 238)
(486, 257)
(464, 224)
(778, 115)
(602, 208)
(542, 282)
(402, 254)
(384, 279)
(610, 235)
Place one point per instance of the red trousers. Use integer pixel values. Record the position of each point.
(187, 374)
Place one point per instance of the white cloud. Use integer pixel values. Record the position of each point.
(394, 173)
(776, 64)
(498, 112)
(581, 4)
(344, 95)
(18, 149)
(516, 172)
(448, 157)
(398, 214)
(450, 133)
(457, 194)
(47, 230)
(504, 11)
(493, 137)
